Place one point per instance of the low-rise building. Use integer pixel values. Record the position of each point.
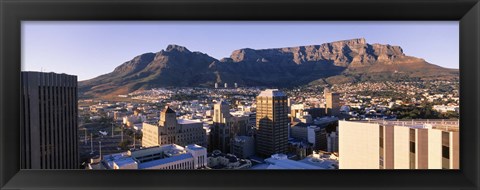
(446, 108)
(322, 159)
(131, 120)
(281, 161)
(219, 160)
(299, 149)
(332, 142)
(169, 156)
(243, 146)
(313, 134)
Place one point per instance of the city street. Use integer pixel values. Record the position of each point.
(109, 143)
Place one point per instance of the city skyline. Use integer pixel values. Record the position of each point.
(181, 109)
(289, 129)
(77, 47)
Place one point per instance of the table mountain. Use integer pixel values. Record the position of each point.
(335, 62)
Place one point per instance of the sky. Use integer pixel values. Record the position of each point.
(92, 48)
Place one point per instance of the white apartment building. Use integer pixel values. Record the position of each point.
(413, 144)
(446, 108)
(169, 156)
(131, 120)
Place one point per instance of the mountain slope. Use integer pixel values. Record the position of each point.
(335, 62)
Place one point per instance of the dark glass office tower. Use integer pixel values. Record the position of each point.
(271, 123)
(49, 121)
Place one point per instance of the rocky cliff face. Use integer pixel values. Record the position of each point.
(341, 61)
(345, 53)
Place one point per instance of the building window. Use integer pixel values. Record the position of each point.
(381, 162)
(412, 147)
(445, 138)
(446, 152)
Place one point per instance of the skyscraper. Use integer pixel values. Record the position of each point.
(271, 122)
(221, 112)
(49, 121)
(332, 107)
(225, 127)
(220, 133)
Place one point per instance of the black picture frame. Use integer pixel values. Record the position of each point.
(12, 12)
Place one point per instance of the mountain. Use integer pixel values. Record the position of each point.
(335, 62)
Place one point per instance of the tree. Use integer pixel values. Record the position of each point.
(138, 136)
(129, 132)
(124, 144)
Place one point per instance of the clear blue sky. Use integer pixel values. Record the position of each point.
(89, 49)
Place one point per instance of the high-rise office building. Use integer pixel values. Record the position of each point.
(49, 121)
(220, 132)
(225, 127)
(332, 101)
(221, 112)
(413, 144)
(271, 122)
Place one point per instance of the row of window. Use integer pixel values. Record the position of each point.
(182, 165)
(57, 120)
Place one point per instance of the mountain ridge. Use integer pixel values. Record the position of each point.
(345, 61)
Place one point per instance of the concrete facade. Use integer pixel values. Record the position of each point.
(415, 144)
(358, 145)
(271, 122)
(170, 156)
(225, 126)
(243, 146)
(332, 103)
(49, 121)
(172, 131)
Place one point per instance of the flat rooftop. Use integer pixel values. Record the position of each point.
(153, 163)
(288, 164)
(271, 93)
(323, 162)
(150, 157)
(280, 161)
(441, 124)
(187, 121)
(194, 147)
(125, 161)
